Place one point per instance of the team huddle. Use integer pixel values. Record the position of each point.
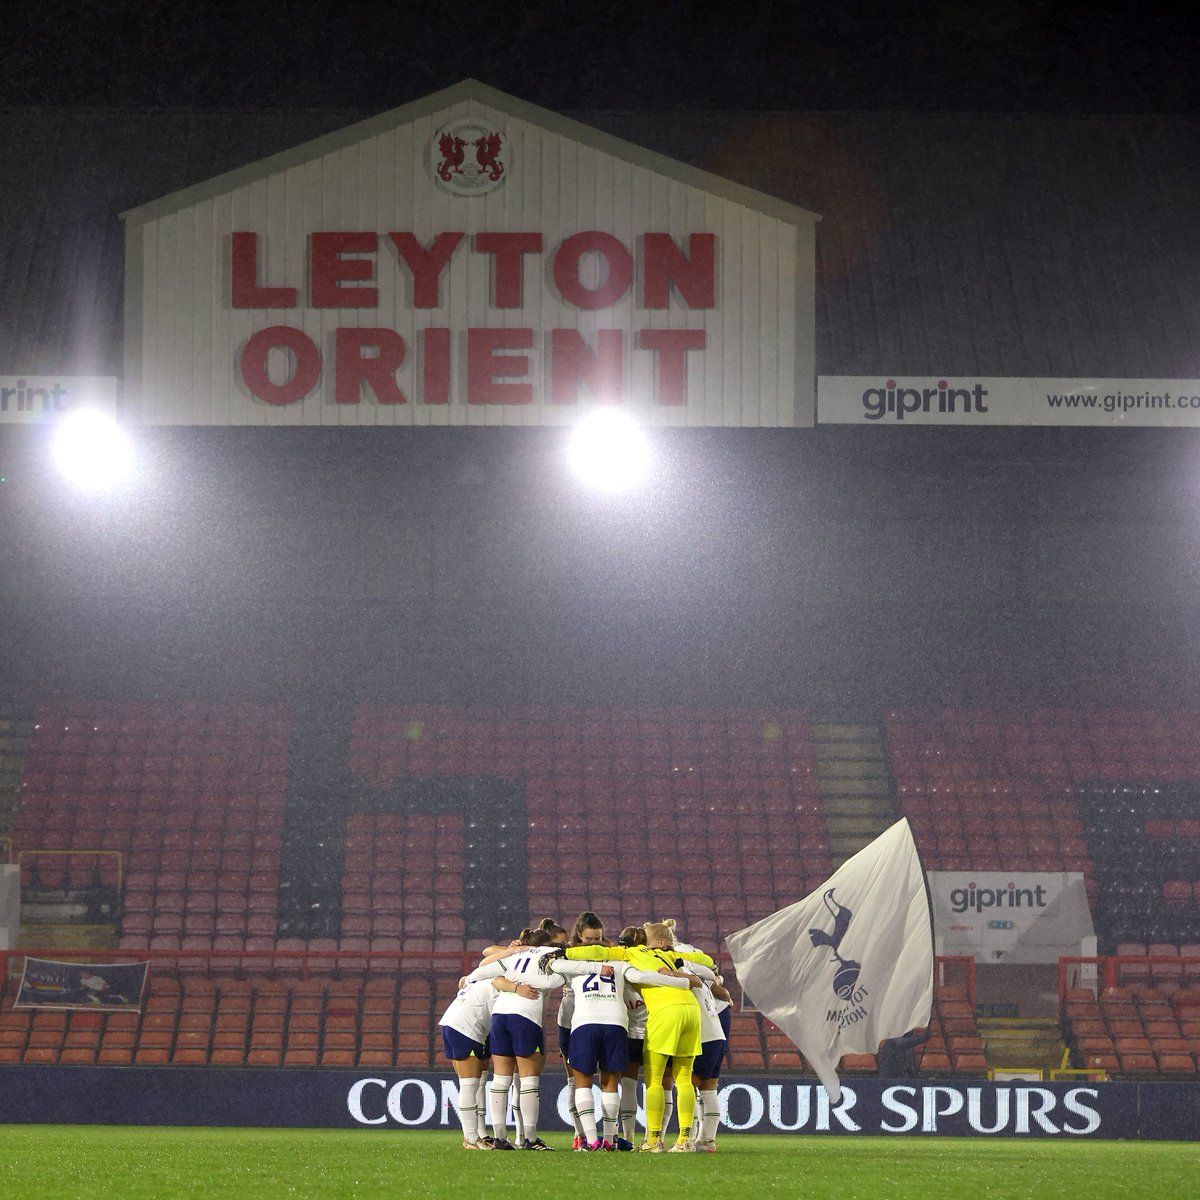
(644, 1003)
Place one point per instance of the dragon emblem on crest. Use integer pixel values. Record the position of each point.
(456, 170)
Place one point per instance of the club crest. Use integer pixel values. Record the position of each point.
(469, 158)
(845, 978)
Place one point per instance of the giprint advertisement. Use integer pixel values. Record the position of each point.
(894, 399)
(1011, 916)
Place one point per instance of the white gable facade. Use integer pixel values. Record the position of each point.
(469, 260)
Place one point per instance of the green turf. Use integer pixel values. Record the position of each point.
(123, 1163)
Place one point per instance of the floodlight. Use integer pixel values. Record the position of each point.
(92, 450)
(608, 450)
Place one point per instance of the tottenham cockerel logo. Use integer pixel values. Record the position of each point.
(469, 158)
(845, 978)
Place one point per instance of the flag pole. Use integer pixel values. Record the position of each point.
(929, 904)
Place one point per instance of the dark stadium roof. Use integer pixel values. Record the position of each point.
(981, 245)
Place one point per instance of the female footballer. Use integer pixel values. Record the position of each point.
(672, 1027)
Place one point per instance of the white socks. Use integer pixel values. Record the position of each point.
(468, 1091)
(610, 1105)
(516, 1107)
(481, 1106)
(498, 1104)
(711, 1118)
(530, 1098)
(694, 1132)
(585, 1106)
(668, 1109)
(574, 1113)
(628, 1108)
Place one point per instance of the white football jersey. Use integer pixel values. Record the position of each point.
(601, 1001)
(710, 1024)
(636, 1008)
(521, 966)
(470, 1012)
(566, 1007)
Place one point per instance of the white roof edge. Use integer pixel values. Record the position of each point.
(472, 89)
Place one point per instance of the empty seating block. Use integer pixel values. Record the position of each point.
(191, 796)
(722, 805)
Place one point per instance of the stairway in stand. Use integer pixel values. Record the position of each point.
(855, 784)
(1022, 1042)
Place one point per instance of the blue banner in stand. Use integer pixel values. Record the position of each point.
(389, 1100)
(97, 986)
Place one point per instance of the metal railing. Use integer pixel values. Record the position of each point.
(287, 964)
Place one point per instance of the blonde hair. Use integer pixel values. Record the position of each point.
(661, 931)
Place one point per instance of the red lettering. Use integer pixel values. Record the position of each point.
(426, 265)
(574, 362)
(306, 364)
(244, 273)
(508, 251)
(435, 362)
(694, 273)
(486, 365)
(671, 346)
(329, 269)
(618, 261)
(378, 371)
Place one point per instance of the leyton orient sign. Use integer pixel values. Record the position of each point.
(468, 259)
(368, 361)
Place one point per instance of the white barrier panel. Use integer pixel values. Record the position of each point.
(1010, 916)
(10, 906)
(972, 400)
(34, 399)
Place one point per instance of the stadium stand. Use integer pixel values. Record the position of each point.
(1111, 795)
(725, 805)
(991, 792)
(1145, 1029)
(191, 799)
(717, 818)
(352, 1009)
(1146, 844)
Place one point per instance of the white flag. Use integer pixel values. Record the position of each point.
(849, 965)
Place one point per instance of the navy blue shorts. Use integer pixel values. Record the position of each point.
(725, 1016)
(564, 1043)
(515, 1036)
(458, 1046)
(599, 1048)
(708, 1065)
(637, 1048)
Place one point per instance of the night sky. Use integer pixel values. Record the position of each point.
(943, 55)
(769, 565)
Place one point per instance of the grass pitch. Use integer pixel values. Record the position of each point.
(49, 1162)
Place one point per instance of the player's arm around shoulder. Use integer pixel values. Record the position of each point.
(489, 971)
(597, 953)
(655, 979)
(697, 956)
(565, 966)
